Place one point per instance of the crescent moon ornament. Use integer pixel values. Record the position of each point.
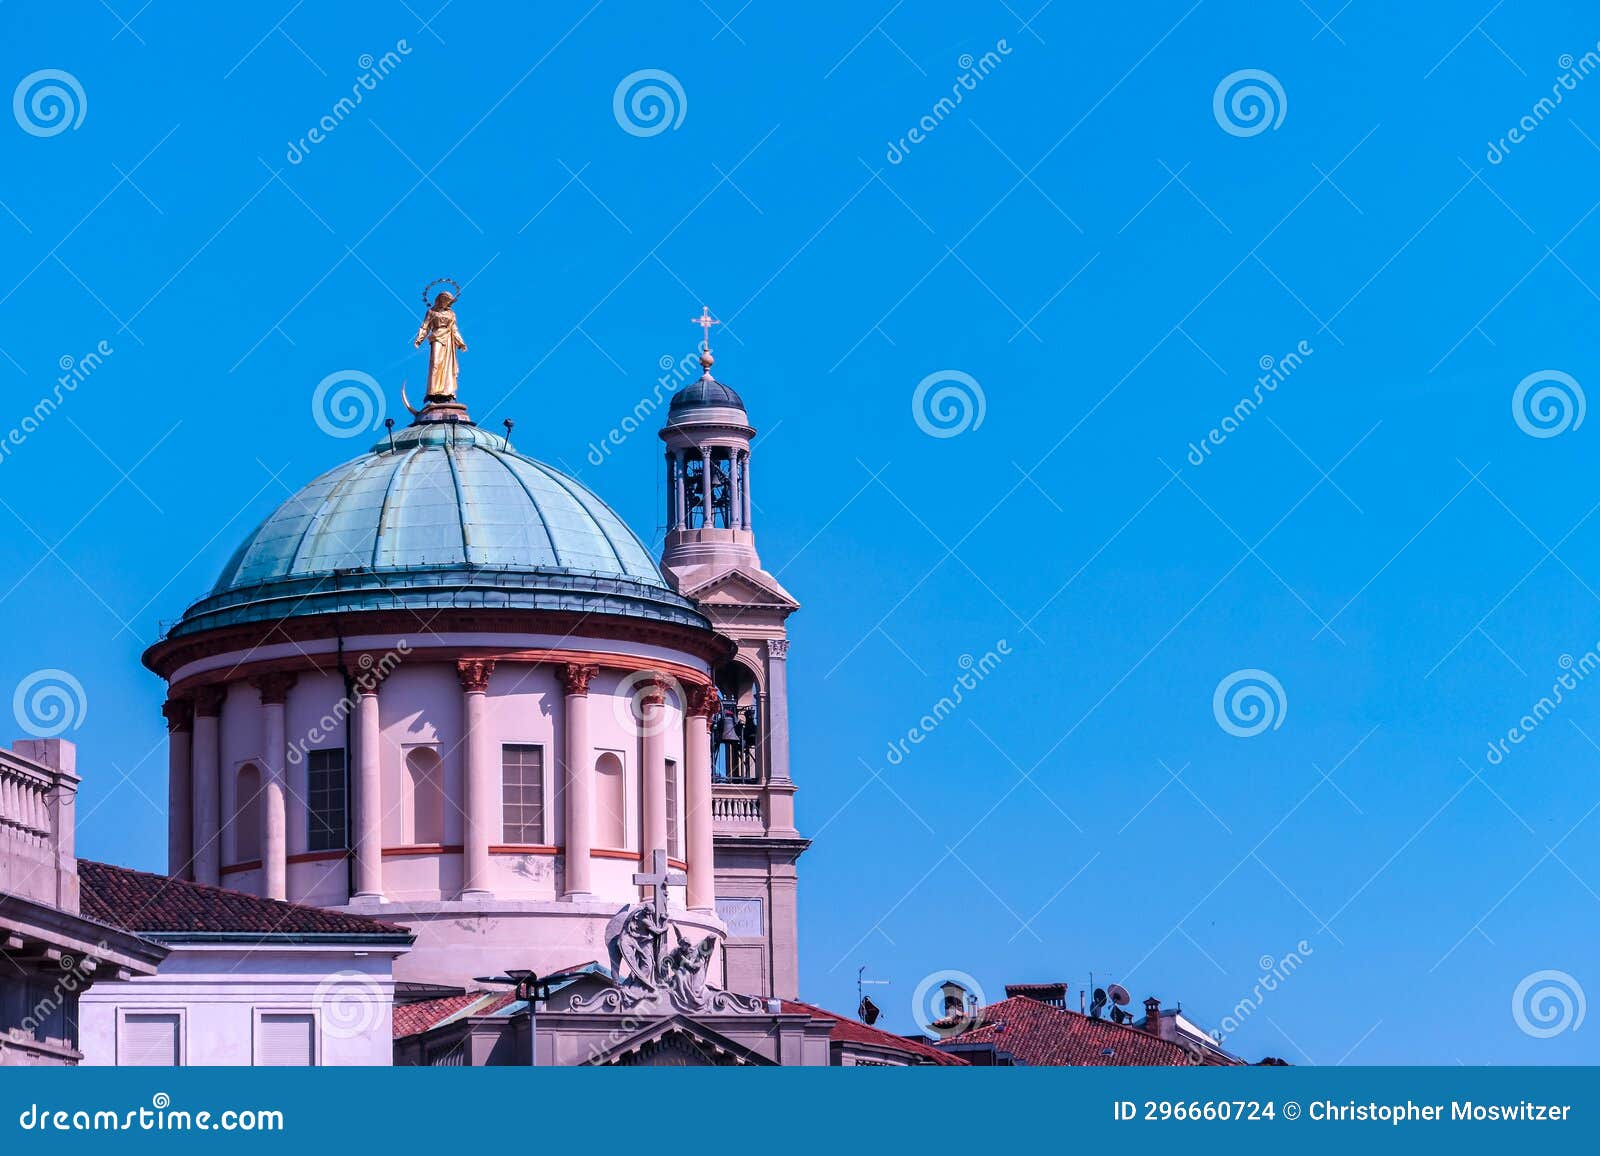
(450, 281)
(405, 402)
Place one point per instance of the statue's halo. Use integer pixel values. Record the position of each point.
(450, 281)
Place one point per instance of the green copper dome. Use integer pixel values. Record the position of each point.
(447, 516)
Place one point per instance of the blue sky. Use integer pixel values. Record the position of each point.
(1092, 245)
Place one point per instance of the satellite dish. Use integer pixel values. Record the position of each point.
(1119, 995)
(868, 1011)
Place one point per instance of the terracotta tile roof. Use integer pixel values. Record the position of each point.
(154, 904)
(856, 1032)
(1036, 1033)
(424, 1015)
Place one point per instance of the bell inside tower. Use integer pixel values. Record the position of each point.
(736, 728)
(689, 474)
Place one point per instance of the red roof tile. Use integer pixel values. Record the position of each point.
(152, 904)
(424, 1015)
(1036, 1033)
(856, 1032)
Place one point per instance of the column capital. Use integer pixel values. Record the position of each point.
(778, 648)
(369, 674)
(703, 699)
(274, 687)
(575, 676)
(208, 700)
(474, 674)
(651, 690)
(179, 713)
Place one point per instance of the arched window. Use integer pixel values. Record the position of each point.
(610, 803)
(736, 749)
(247, 815)
(425, 796)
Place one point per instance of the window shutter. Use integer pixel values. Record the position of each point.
(283, 1040)
(148, 1040)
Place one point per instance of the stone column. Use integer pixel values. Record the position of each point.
(702, 890)
(577, 778)
(705, 486)
(652, 700)
(179, 714)
(672, 489)
(744, 489)
(779, 787)
(778, 709)
(369, 792)
(480, 780)
(676, 489)
(207, 754)
(274, 690)
(735, 484)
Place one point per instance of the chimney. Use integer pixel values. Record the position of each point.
(1152, 1016)
(1054, 994)
(959, 1011)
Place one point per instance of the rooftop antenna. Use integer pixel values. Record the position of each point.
(388, 424)
(508, 423)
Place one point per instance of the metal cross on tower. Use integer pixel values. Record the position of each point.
(705, 321)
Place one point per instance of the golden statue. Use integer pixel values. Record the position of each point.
(444, 342)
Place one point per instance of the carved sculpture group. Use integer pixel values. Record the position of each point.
(651, 976)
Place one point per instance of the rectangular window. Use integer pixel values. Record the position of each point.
(325, 791)
(286, 1039)
(522, 797)
(674, 842)
(149, 1039)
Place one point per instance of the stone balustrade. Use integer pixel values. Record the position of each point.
(737, 810)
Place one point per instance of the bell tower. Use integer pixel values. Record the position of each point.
(709, 555)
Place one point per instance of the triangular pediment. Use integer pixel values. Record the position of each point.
(678, 1041)
(743, 588)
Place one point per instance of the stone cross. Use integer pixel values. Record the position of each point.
(658, 879)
